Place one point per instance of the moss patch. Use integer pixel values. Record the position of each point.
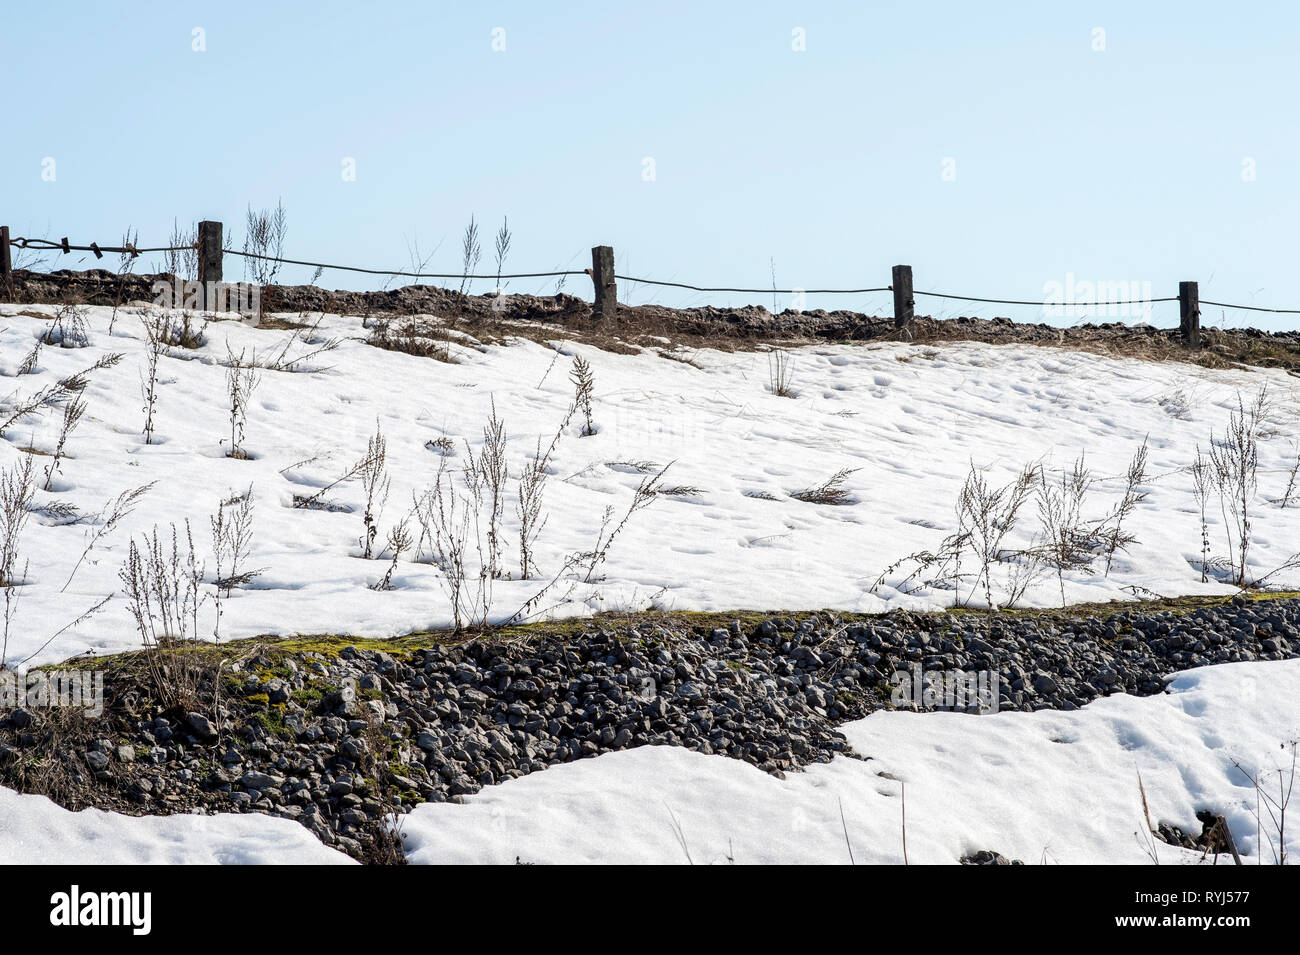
(329, 646)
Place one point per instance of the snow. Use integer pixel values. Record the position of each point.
(34, 830)
(908, 420)
(911, 419)
(1045, 788)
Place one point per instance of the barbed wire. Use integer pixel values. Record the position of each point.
(412, 275)
(1254, 308)
(49, 245)
(756, 291)
(64, 246)
(1040, 303)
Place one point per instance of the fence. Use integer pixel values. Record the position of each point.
(604, 279)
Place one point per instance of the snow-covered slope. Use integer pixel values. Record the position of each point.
(909, 419)
(1045, 787)
(35, 831)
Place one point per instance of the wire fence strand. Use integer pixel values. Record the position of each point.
(1040, 302)
(399, 272)
(754, 291)
(1254, 308)
(49, 245)
(64, 246)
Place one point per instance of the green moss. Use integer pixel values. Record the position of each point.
(327, 647)
(308, 696)
(1175, 605)
(272, 720)
(136, 662)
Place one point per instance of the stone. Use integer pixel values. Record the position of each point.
(97, 760)
(258, 780)
(201, 726)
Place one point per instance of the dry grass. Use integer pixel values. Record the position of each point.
(319, 502)
(308, 335)
(163, 589)
(72, 413)
(16, 491)
(15, 408)
(680, 490)
(1273, 792)
(398, 543)
(486, 474)
(382, 840)
(411, 337)
(43, 769)
(584, 387)
(107, 521)
(242, 380)
(232, 543)
(264, 233)
(986, 515)
(69, 329)
(375, 482)
(1234, 465)
(831, 491)
(635, 328)
(779, 373)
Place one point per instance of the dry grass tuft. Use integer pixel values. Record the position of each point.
(831, 491)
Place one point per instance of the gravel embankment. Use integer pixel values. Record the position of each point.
(336, 737)
(723, 326)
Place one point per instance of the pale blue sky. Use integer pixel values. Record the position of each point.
(1121, 165)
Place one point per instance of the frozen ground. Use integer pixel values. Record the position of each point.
(910, 419)
(1042, 787)
(34, 830)
(1054, 787)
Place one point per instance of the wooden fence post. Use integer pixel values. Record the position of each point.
(602, 275)
(1189, 313)
(6, 263)
(904, 305)
(209, 257)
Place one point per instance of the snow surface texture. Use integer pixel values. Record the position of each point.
(34, 830)
(1041, 787)
(911, 420)
(1044, 787)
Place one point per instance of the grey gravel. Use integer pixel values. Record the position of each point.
(363, 733)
